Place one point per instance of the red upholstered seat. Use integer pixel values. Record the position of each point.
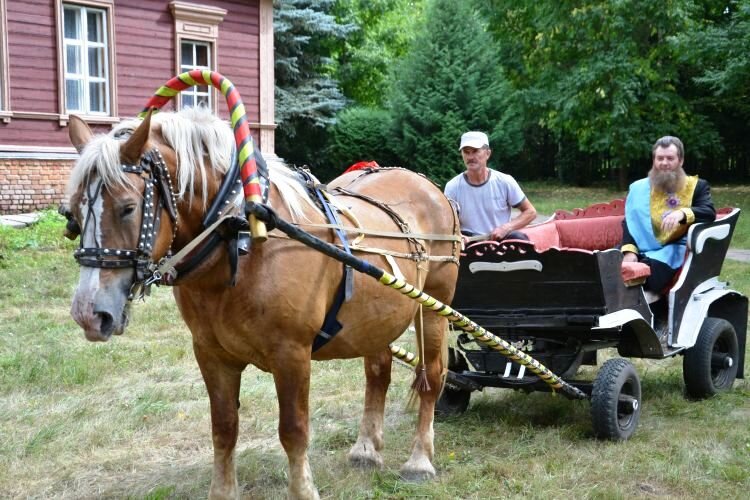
(591, 233)
(544, 236)
(635, 273)
(594, 233)
(587, 234)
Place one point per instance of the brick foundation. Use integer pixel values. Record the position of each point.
(31, 185)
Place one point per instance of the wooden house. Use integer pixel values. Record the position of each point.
(102, 60)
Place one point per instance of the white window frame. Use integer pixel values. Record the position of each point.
(109, 115)
(5, 112)
(195, 91)
(195, 23)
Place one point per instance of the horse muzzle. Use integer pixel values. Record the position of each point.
(100, 313)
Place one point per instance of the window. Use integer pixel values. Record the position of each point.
(195, 55)
(196, 37)
(86, 63)
(86, 77)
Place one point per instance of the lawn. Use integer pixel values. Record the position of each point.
(130, 419)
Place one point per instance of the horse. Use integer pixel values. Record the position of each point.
(138, 194)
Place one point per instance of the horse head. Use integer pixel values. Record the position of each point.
(123, 206)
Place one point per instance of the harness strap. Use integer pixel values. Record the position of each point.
(381, 251)
(331, 325)
(167, 268)
(387, 234)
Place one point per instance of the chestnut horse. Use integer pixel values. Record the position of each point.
(130, 214)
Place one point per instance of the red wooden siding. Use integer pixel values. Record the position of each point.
(32, 60)
(144, 34)
(144, 60)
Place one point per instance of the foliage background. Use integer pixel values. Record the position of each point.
(576, 90)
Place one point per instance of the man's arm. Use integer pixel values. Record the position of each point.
(628, 246)
(701, 209)
(703, 206)
(526, 217)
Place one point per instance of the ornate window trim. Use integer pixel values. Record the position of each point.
(197, 23)
(5, 111)
(111, 86)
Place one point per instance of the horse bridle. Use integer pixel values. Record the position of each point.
(156, 176)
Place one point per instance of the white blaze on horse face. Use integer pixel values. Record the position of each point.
(82, 308)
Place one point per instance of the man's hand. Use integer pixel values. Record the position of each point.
(500, 232)
(629, 257)
(464, 242)
(672, 220)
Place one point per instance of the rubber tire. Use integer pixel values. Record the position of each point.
(453, 402)
(617, 376)
(701, 379)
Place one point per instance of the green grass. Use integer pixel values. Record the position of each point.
(129, 418)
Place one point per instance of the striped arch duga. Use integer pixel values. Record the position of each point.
(139, 194)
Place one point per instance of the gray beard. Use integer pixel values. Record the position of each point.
(669, 182)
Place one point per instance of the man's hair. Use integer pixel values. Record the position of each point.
(667, 141)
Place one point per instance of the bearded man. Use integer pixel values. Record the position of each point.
(658, 211)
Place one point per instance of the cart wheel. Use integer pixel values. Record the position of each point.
(616, 400)
(453, 401)
(710, 366)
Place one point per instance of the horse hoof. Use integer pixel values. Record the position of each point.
(417, 476)
(366, 461)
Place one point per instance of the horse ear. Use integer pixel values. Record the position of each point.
(79, 132)
(131, 150)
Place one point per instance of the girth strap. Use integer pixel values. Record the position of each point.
(331, 325)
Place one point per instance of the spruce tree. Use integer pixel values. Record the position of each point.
(307, 97)
(450, 82)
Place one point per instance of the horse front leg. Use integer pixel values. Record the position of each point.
(292, 379)
(419, 466)
(223, 384)
(366, 451)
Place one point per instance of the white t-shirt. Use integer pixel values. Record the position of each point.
(483, 208)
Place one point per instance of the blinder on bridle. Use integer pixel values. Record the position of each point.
(156, 176)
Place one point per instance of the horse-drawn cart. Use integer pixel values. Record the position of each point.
(565, 295)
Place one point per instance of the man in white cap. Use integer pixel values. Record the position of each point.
(485, 196)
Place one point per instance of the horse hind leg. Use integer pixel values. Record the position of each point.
(419, 466)
(366, 451)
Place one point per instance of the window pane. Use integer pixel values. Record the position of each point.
(187, 101)
(73, 95)
(186, 58)
(202, 88)
(96, 62)
(72, 22)
(201, 55)
(96, 97)
(73, 59)
(203, 101)
(95, 28)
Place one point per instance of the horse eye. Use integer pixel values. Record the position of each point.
(128, 210)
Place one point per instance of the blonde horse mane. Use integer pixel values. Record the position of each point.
(194, 134)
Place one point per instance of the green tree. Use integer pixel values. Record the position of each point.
(360, 134)
(449, 82)
(717, 51)
(306, 34)
(605, 73)
(384, 30)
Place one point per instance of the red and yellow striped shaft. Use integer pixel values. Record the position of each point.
(245, 146)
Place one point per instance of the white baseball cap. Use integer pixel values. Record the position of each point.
(474, 140)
